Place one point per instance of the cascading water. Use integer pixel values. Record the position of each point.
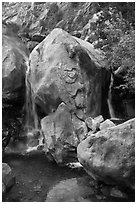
(31, 115)
(111, 110)
(31, 126)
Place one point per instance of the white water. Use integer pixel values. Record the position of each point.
(31, 115)
(111, 110)
(32, 125)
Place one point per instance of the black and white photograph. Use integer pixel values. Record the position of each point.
(68, 101)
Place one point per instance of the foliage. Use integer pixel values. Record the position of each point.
(116, 37)
(123, 57)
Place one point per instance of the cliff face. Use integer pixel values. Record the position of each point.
(44, 17)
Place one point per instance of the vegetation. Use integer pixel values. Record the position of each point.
(116, 37)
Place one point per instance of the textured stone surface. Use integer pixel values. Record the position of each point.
(14, 65)
(62, 133)
(94, 124)
(80, 128)
(106, 124)
(60, 138)
(65, 68)
(8, 178)
(71, 190)
(14, 60)
(109, 155)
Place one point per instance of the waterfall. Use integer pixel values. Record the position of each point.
(32, 130)
(109, 101)
(31, 115)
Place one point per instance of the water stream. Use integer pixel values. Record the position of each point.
(32, 129)
(110, 106)
(38, 180)
(31, 115)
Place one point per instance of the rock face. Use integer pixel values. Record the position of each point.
(14, 58)
(109, 155)
(60, 136)
(8, 178)
(67, 69)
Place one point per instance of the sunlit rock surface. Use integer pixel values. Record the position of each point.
(109, 155)
(66, 69)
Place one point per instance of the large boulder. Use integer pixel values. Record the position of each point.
(67, 69)
(109, 155)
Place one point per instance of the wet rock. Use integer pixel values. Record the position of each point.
(8, 179)
(100, 197)
(71, 190)
(115, 192)
(109, 155)
(74, 165)
(106, 124)
(60, 138)
(3, 188)
(67, 69)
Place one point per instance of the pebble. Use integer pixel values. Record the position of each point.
(115, 192)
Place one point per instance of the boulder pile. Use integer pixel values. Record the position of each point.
(68, 78)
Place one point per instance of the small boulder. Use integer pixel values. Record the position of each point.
(115, 192)
(89, 122)
(8, 179)
(94, 124)
(80, 128)
(106, 124)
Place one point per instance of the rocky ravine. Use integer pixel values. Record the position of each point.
(70, 87)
